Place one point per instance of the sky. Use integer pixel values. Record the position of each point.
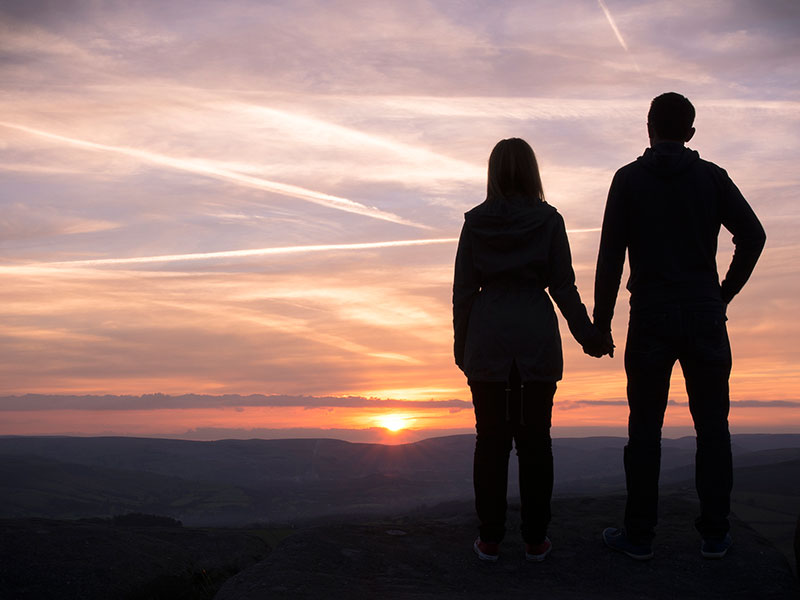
(239, 219)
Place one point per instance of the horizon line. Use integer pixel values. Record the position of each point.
(592, 431)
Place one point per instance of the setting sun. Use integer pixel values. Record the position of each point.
(244, 241)
(394, 422)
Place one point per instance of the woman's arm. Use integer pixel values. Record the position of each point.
(465, 288)
(561, 284)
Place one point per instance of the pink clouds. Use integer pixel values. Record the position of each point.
(249, 126)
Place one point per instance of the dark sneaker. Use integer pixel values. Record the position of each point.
(617, 540)
(538, 552)
(716, 548)
(486, 550)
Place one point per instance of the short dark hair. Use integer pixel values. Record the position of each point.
(513, 171)
(671, 116)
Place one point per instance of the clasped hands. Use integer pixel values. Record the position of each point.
(599, 343)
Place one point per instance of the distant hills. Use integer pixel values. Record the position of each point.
(236, 482)
(276, 488)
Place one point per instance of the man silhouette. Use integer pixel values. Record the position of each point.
(666, 209)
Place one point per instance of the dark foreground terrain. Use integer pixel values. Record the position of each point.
(429, 555)
(331, 498)
(96, 560)
(419, 555)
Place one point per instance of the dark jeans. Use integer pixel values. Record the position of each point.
(506, 412)
(698, 339)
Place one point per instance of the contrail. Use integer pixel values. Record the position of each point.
(201, 168)
(333, 130)
(621, 40)
(613, 25)
(103, 262)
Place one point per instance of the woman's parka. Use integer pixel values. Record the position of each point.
(509, 252)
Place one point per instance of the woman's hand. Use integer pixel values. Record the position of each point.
(598, 344)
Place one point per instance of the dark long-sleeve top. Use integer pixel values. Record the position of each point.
(509, 252)
(666, 209)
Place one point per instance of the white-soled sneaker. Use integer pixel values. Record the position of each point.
(486, 550)
(538, 552)
(716, 548)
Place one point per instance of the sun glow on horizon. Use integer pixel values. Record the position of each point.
(394, 422)
(186, 220)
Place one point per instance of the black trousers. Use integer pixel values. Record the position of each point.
(522, 413)
(698, 339)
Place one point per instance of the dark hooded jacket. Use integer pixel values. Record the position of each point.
(509, 252)
(666, 209)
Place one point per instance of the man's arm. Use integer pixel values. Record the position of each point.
(610, 257)
(561, 284)
(465, 289)
(748, 239)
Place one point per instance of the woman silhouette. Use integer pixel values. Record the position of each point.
(512, 247)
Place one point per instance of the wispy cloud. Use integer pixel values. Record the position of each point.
(252, 252)
(154, 240)
(614, 27)
(167, 258)
(568, 404)
(37, 402)
(322, 131)
(753, 403)
(207, 169)
(554, 108)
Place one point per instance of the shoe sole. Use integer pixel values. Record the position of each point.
(636, 556)
(539, 557)
(483, 555)
(714, 555)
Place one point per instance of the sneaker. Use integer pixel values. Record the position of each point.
(716, 548)
(486, 550)
(617, 540)
(538, 552)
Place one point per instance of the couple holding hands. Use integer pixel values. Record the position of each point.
(665, 209)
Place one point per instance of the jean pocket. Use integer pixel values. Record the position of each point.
(711, 334)
(650, 324)
(648, 334)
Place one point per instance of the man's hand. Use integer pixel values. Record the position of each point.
(598, 344)
(608, 344)
(595, 344)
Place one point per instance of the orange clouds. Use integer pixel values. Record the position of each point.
(183, 214)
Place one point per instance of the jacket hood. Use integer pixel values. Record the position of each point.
(668, 158)
(504, 233)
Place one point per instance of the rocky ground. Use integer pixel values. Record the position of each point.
(429, 555)
(420, 555)
(44, 559)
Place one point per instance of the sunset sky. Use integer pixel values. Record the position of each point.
(238, 219)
